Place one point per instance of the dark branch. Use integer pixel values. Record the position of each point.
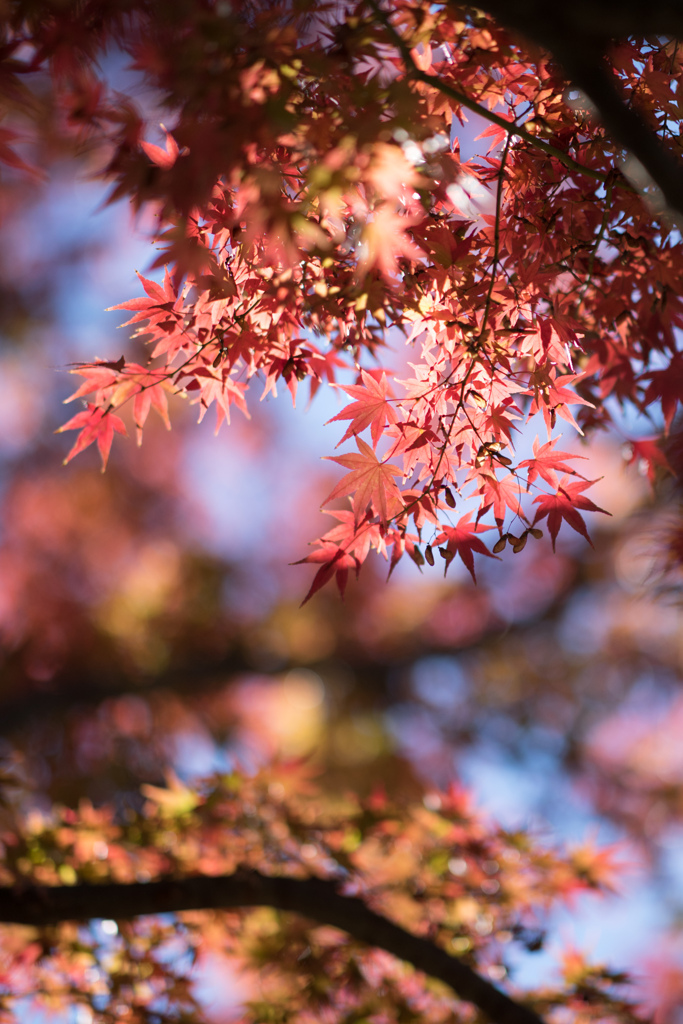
(586, 21)
(578, 34)
(80, 690)
(414, 72)
(313, 897)
(624, 125)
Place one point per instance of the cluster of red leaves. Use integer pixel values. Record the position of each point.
(311, 198)
(437, 868)
(330, 205)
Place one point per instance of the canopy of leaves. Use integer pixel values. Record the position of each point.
(332, 210)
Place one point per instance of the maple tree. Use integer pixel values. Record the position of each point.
(327, 223)
(311, 208)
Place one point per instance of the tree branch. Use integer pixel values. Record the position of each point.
(623, 124)
(22, 705)
(585, 21)
(416, 74)
(315, 898)
(578, 34)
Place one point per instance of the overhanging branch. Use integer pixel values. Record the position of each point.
(315, 898)
(458, 96)
(578, 35)
(624, 125)
(578, 45)
(590, 21)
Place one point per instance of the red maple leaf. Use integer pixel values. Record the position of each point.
(647, 453)
(164, 158)
(95, 424)
(371, 409)
(356, 539)
(497, 423)
(159, 299)
(11, 158)
(344, 547)
(551, 396)
(422, 507)
(150, 388)
(219, 387)
(385, 241)
(118, 382)
(667, 387)
(323, 365)
(546, 461)
(371, 481)
(463, 540)
(335, 562)
(565, 504)
(503, 494)
(98, 376)
(494, 131)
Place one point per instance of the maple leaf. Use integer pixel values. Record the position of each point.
(117, 382)
(354, 538)
(565, 505)
(344, 547)
(95, 424)
(401, 542)
(497, 423)
(666, 386)
(411, 441)
(323, 367)
(385, 241)
(150, 387)
(370, 481)
(157, 306)
(391, 174)
(422, 507)
(335, 563)
(371, 409)
(546, 461)
(598, 867)
(551, 395)
(503, 494)
(97, 375)
(11, 158)
(164, 158)
(219, 387)
(463, 540)
(291, 367)
(648, 453)
(494, 131)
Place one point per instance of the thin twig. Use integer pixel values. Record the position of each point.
(598, 240)
(496, 233)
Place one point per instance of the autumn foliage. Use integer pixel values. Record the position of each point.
(324, 218)
(333, 209)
